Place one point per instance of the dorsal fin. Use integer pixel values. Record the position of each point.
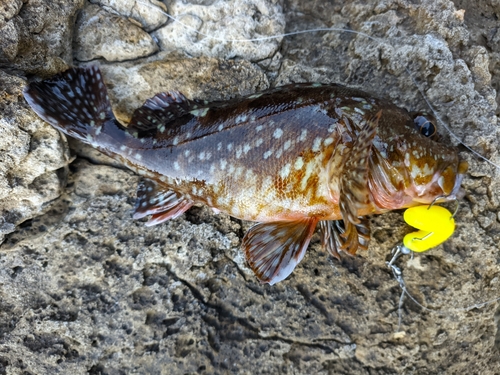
(159, 110)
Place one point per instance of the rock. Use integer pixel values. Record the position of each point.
(218, 28)
(150, 14)
(31, 157)
(85, 289)
(102, 34)
(36, 39)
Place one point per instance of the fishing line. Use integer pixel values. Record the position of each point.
(398, 275)
(396, 270)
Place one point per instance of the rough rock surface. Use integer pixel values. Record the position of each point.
(149, 13)
(114, 38)
(31, 158)
(209, 28)
(84, 289)
(36, 36)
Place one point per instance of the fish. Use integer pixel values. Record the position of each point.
(292, 159)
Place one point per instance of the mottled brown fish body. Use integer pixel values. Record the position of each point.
(293, 157)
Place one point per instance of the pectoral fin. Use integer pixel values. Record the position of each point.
(354, 193)
(160, 202)
(274, 249)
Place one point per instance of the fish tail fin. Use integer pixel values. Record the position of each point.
(75, 102)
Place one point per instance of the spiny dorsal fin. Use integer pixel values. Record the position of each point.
(159, 111)
(274, 249)
(162, 203)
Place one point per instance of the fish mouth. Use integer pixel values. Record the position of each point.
(395, 188)
(439, 189)
(457, 192)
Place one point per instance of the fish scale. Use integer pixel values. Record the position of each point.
(290, 158)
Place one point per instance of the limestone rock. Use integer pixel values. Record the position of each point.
(31, 154)
(150, 14)
(218, 29)
(36, 38)
(114, 38)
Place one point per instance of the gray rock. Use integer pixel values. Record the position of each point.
(36, 39)
(85, 289)
(150, 14)
(31, 156)
(114, 38)
(218, 28)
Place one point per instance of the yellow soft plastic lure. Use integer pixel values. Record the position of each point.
(435, 224)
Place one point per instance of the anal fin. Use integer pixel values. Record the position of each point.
(163, 204)
(272, 250)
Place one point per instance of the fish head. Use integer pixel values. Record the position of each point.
(410, 166)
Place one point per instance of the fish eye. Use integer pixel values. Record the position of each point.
(425, 124)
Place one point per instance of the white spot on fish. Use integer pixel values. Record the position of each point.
(201, 156)
(287, 145)
(138, 156)
(259, 142)
(175, 142)
(285, 171)
(316, 144)
(246, 148)
(299, 163)
(238, 172)
(241, 118)
(278, 133)
(177, 167)
(230, 147)
(187, 153)
(328, 141)
(223, 163)
(267, 154)
(259, 128)
(415, 171)
(200, 112)
(303, 135)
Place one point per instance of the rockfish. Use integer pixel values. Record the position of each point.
(292, 158)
